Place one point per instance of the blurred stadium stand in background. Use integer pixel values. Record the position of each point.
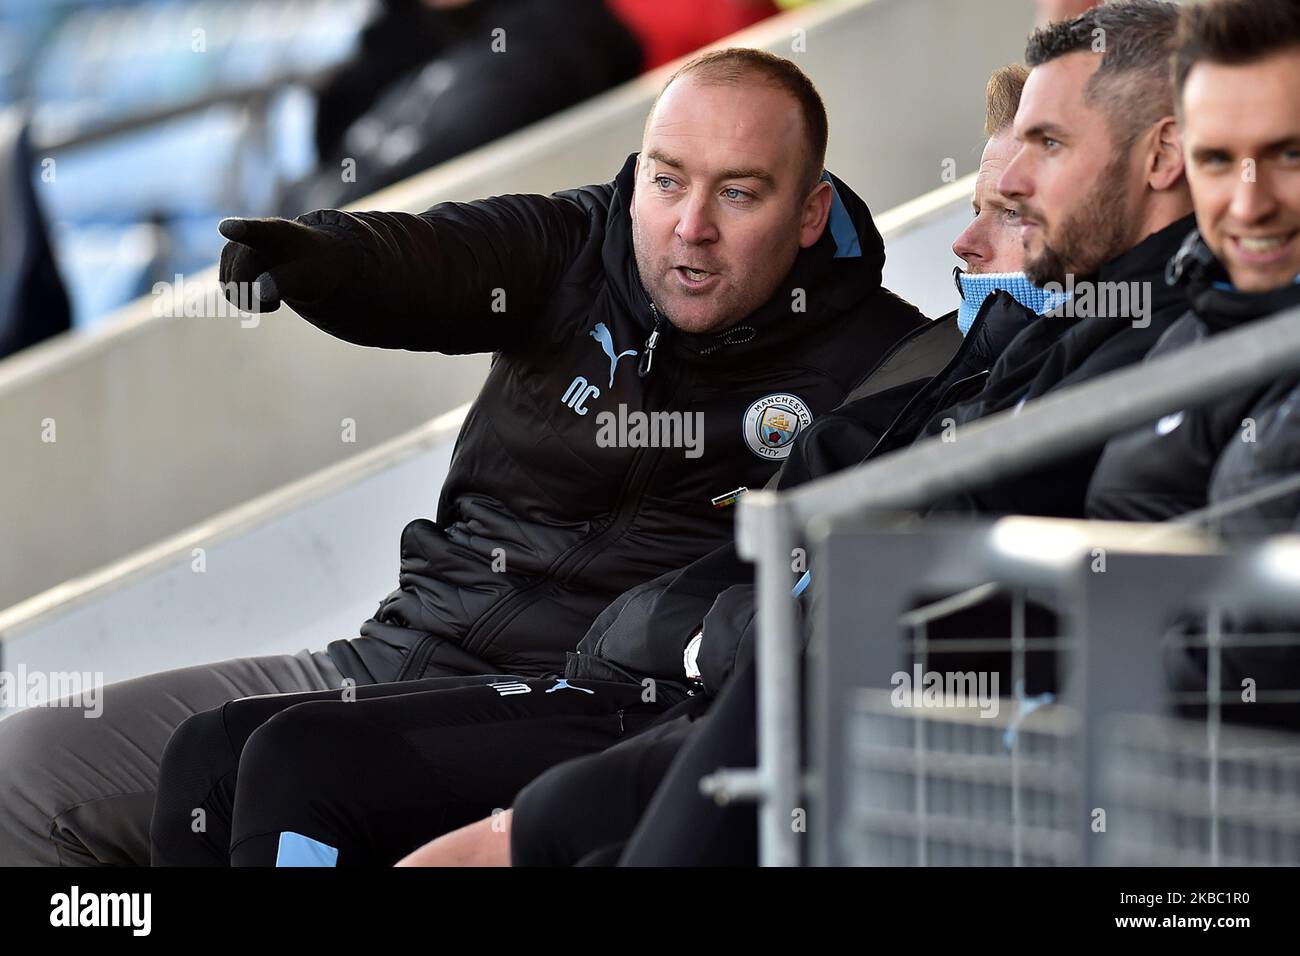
(152, 143)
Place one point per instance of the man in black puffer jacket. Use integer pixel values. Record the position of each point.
(659, 341)
(1213, 465)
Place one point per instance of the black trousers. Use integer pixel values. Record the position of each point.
(376, 776)
(585, 810)
(639, 802)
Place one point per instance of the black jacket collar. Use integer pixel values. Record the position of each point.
(1148, 262)
(1213, 299)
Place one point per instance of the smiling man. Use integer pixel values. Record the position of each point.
(720, 276)
(1237, 72)
(1241, 130)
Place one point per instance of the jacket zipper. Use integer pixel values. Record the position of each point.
(962, 383)
(648, 354)
(920, 396)
(564, 562)
(639, 473)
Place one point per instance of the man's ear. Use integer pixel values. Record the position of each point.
(636, 184)
(816, 211)
(1165, 159)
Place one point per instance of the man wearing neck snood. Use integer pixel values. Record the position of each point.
(997, 302)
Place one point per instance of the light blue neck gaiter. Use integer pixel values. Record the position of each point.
(976, 288)
(1229, 287)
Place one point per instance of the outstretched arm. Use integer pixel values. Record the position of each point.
(461, 277)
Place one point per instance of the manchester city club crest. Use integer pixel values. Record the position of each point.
(773, 422)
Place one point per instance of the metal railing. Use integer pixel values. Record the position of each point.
(770, 524)
(1088, 767)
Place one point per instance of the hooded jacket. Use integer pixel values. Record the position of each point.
(563, 491)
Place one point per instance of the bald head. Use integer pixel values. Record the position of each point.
(745, 67)
(724, 199)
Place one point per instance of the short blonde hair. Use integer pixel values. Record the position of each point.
(1002, 97)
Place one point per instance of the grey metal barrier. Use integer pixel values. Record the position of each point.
(952, 766)
(770, 525)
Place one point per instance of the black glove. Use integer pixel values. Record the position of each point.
(270, 259)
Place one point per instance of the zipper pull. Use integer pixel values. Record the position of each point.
(1191, 260)
(648, 354)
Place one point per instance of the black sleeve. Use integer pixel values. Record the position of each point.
(461, 277)
(645, 631)
(728, 641)
(730, 629)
